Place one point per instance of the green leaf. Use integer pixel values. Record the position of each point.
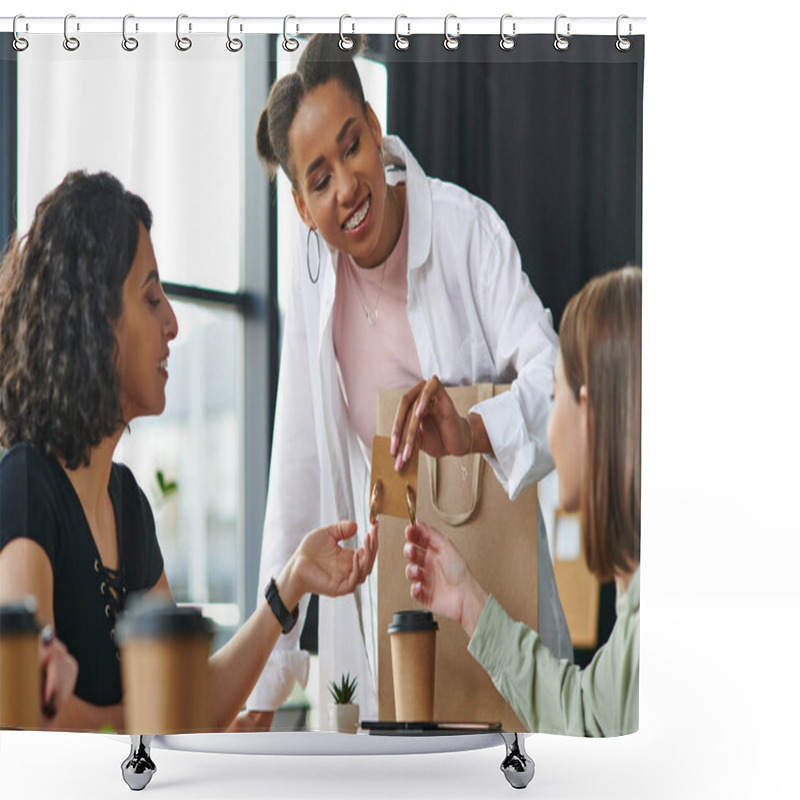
(344, 691)
(166, 487)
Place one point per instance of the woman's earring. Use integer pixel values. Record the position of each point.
(383, 170)
(314, 278)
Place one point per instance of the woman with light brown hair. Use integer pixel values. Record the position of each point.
(595, 437)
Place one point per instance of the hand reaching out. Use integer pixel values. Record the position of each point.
(440, 578)
(321, 565)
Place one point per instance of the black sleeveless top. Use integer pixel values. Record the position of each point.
(38, 502)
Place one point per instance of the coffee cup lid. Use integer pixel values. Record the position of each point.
(146, 618)
(412, 622)
(19, 616)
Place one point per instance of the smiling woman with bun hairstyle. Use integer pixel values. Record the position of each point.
(399, 280)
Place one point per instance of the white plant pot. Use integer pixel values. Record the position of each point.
(343, 717)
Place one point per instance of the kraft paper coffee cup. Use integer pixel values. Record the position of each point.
(20, 673)
(164, 651)
(412, 635)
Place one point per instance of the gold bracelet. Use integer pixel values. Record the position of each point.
(471, 440)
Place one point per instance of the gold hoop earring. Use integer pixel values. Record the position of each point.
(313, 278)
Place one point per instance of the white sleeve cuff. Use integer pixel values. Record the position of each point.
(520, 459)
(277, 680)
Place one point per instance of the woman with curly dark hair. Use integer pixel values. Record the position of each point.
(85, 329)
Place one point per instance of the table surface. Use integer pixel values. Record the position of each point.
(705, 731)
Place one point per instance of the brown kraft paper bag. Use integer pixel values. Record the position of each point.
(497, 538)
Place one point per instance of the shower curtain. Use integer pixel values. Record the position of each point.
(549, 136)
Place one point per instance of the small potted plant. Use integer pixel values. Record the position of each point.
(343, 712)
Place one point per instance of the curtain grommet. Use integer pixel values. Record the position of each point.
(401, 42)
(561, 43)
(129, 43)
(623, 44)
(233, 44)
(345, 42)
(289, 43)
(20, 43)
(507, 42)
(451, 42)
(183, 43)
(71, 43)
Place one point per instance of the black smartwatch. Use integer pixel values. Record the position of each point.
(286, 619)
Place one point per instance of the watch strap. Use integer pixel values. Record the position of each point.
(286, 618)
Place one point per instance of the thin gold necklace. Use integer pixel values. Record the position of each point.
(371, 316)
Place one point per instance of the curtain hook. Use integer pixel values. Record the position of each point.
(507, 42)
(623, 44)
(345, 42)
(19, 42)
(561, 43)
(401, 42)
(129, 43)
(289, 44)
(183, 43)
(71, 43)
(451, 42)
(234, 45)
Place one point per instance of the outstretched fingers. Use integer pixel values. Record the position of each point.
(371, 547)
(424, 536)
(361, 561)
(415, 554)
(423, 406)
(420, 587)
(403, 411)
(427, 396)
(343, 530)
(418, 552)
(365, 556)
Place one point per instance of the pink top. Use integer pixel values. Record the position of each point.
(372, 336)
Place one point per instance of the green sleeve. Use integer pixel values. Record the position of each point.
(551, 695)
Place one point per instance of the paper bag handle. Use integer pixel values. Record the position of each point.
(485, 391)
(454, 519)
